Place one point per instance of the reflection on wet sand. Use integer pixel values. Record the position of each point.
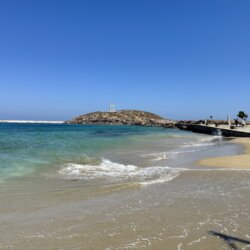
(171, 215)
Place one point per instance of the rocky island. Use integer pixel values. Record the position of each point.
(124, 117)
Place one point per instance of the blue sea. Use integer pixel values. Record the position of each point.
(117, 187)
(88, 152)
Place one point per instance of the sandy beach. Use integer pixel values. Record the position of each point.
(241, 161)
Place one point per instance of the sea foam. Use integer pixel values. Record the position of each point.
(113, 171)
(202, 142)
(185, 148)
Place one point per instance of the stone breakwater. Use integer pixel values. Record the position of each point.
(124, 117)
(222, 131)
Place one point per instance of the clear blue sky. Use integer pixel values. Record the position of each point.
(178, 58)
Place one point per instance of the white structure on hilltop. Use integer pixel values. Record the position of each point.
(111, 108)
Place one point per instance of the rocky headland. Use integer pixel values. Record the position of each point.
(124, 117)
(137, 117)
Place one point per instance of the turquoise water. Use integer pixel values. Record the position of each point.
(117, 187)
(87, 152)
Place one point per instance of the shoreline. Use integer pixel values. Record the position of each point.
(239, 161)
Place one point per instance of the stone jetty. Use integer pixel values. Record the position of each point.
(222, 130)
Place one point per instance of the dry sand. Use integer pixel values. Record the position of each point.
(236, 161)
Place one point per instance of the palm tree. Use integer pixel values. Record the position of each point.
(242, 115)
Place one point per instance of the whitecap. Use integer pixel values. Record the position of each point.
(169, 155)
(184, 148)
(113, 171)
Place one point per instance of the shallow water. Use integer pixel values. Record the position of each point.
(99, 187)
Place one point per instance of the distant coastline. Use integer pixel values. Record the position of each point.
(31, 121)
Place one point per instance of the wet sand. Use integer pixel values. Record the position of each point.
(173, 215)
(241, 161)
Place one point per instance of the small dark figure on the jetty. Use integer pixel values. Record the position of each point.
(236, 122)
(243, 123)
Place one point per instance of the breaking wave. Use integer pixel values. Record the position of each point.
(203, 142)
(119, 172)
(184, 148)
